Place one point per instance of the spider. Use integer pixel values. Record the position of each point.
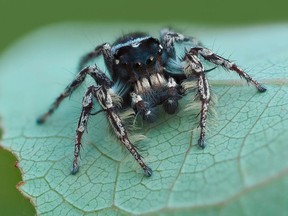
(145, 72)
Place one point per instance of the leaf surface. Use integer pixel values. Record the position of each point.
(242, 171)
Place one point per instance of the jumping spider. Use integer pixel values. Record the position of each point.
(145, 72)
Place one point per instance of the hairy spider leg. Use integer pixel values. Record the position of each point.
(225, 63)
(105, 100)
(169, 37)
(103, 49)
(196, 69)
(93, 71)
(87, 105)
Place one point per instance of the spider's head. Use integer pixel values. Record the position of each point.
(136, 56)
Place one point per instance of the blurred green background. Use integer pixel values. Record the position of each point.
(18, 18)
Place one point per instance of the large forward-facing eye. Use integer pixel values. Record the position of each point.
(124, 64)
(137, 65)
(150, 60)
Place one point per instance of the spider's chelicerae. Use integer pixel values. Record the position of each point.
(145, 72)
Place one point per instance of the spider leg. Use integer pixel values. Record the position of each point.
(93, 71)
(103, 49)
(87, 105)
(105, 100)
(218, 60)
(196, 69)
(168, 38)
(204, 92)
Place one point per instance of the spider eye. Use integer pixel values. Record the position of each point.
(117, 61)
(138, 64)
(150, 60)
(124, 63)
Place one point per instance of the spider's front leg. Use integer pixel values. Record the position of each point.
(101, 93)
(195, 68)
(105, 100)
(87, 105)
(93, 71)
(103, 49)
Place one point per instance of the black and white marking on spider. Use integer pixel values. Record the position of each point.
(145, 72)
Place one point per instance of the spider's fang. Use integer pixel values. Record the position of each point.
(155, 81)
(145, 84)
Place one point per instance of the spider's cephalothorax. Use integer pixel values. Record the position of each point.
(145, 72)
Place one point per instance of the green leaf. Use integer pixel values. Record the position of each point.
(242, 171)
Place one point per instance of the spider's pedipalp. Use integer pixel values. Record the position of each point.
(170, 105)
(143, 108)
